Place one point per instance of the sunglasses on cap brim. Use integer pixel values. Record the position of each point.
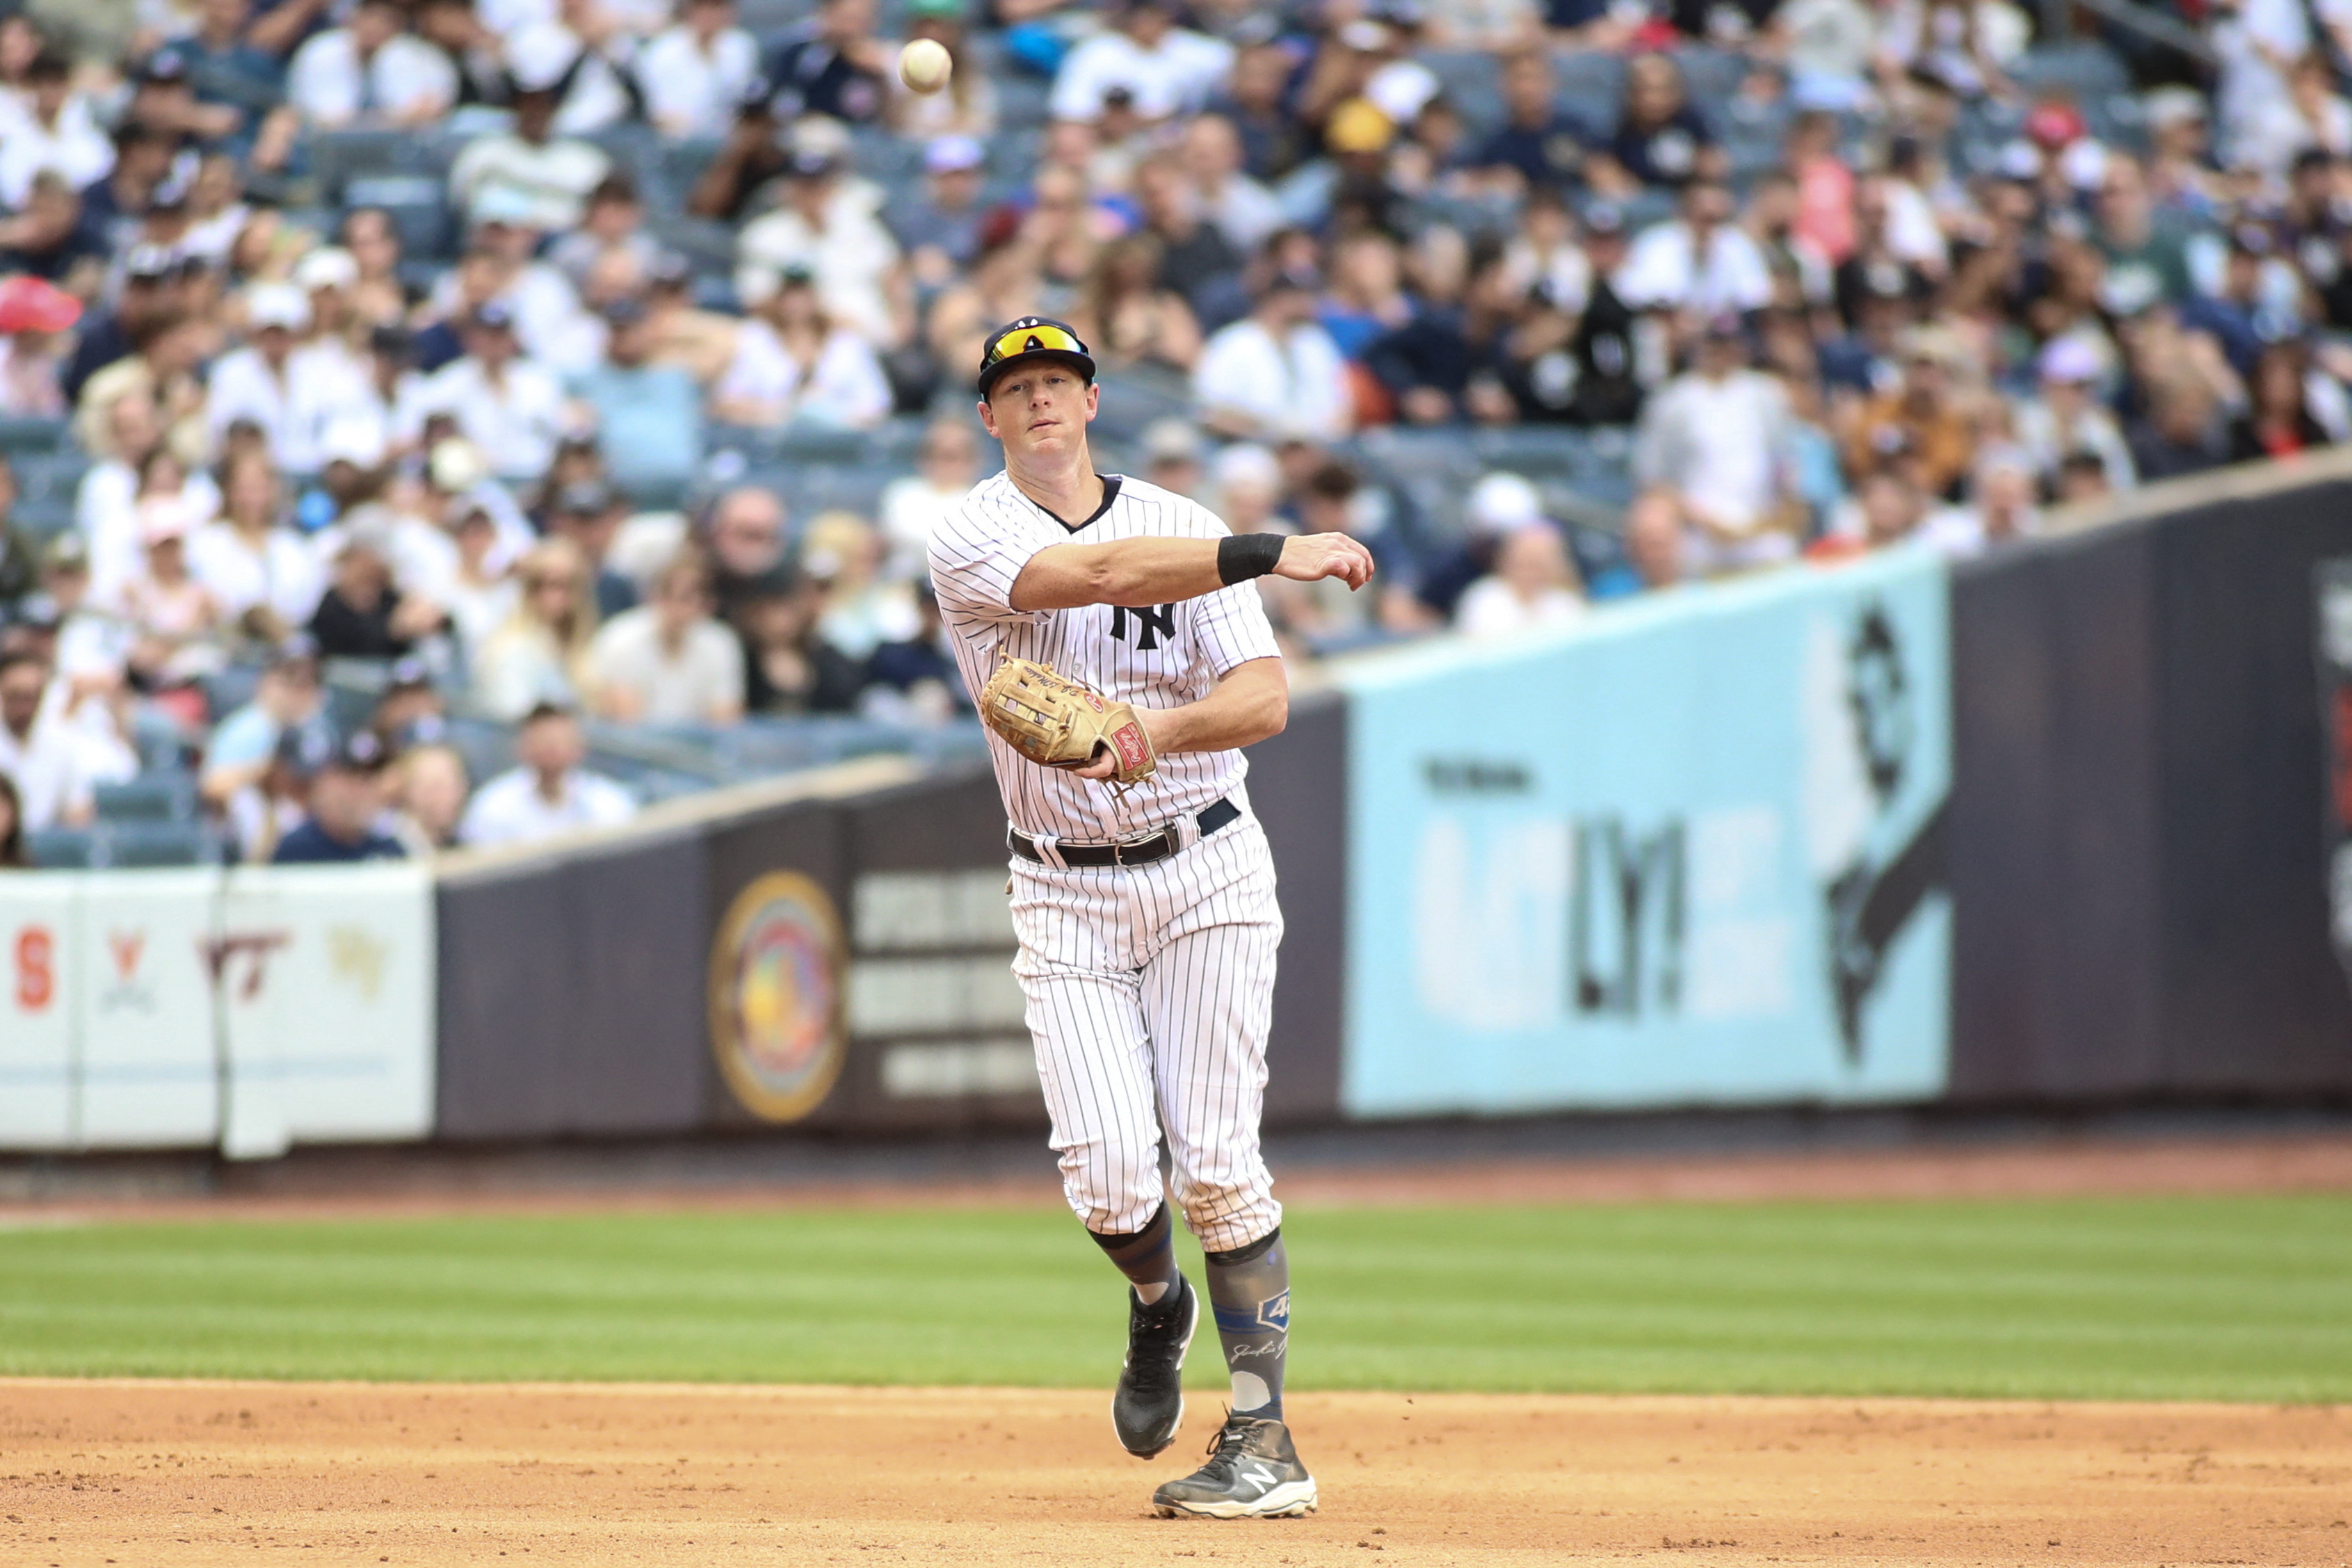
(1042, 338)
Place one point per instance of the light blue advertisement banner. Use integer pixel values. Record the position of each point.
(1689, 852)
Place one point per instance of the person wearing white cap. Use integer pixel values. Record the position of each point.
(694, 73)
(2065, 415)
(370, 72)
(264, 380)
(1533, 586)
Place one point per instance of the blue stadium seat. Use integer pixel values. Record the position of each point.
(2086, 68)
(1022, 102)
(25, 434)
(130, 844)
(418, 206)
(1592, 85)
(60, 849)
(1472, 80)
(151, 797)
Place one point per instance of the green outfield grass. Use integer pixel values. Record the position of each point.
(2240, 1299)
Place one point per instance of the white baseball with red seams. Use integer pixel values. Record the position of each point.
(1150, 987)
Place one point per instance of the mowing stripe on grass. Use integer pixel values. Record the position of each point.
(2224, 1298)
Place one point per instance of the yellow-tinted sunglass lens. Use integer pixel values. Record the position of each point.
(1032, 340)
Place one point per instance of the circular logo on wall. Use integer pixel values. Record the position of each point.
(775, 996)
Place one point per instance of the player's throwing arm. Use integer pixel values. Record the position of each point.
(1113, 633)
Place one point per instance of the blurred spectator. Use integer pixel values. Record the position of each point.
(174, 619)
(946, 469)
(2277, 421)
(667, 662)
(1660, 140)
(547, 791)
(589, 515)
(648, 415)
(829, 228)
(55, 770)
(14, 856)
(914, 680)
(508, 406)
(363, 614)
(48, 241)
(1127, 319)
(695, 73)
(371, 71)
(1172, 456)
(1499, 505)
(831, 64)
(50, 126)
(1165, 69)
(1244, 211)
(788, 667)
(1657, 546)
(842, 552)
(428, 790)
(1923, 417)
(749, 158)
(1533, 585)
(793, 362)
(1700, 262)
(245, 744)
(552, 177)
(346, 798)
(481, 594)
(941, 234)
(746, 534)
(1715, 435)
(539, 654)
(1276, 369)
(2182, 432)
(1538, 146)
(34, 315)
(2067, 417)
(20, 566)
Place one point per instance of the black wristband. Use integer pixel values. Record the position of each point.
(1243, 556)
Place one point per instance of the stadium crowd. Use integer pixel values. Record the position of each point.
(486, 345)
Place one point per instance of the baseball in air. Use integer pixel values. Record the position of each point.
(924, 65)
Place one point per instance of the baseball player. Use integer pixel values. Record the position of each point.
(1142, 889)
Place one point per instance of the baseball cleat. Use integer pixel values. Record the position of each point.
(1148, 1404)
(1253, 1473)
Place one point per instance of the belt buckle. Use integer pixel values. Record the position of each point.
(1120, 847)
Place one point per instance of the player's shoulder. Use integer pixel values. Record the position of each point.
(991, 507)
(1163, 511)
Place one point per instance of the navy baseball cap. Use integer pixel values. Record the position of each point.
(1032, 337)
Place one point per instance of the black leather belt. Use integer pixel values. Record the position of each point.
(1157, 846)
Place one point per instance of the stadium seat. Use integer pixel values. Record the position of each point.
(418, 208)
(2086, 68)
(60, 849)
(124, 845)
(25, 434)
(1592, 85)
(149, 798)
(1022, 102)
(1472, 80)
(1712, 76)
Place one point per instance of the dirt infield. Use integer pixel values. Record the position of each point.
(143, 1473)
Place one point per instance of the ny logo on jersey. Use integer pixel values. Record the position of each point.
(1155, 622)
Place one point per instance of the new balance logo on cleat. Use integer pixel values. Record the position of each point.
(1253, 1473)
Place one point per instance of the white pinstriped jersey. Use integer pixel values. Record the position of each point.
(1161, 656)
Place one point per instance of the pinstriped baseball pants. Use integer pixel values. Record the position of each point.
(1155, 984)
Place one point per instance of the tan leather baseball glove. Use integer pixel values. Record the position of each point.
(1053, 720)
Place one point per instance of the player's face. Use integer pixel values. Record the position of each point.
(1040, 409)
